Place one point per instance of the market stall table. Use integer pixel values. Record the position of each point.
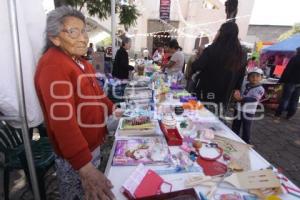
(119, 174)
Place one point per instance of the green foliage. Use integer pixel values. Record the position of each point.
(128, 14)
(289, 33)
(101, 8)
(105, 42)
(74, 3)
(256, 55)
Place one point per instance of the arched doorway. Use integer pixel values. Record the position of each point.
(160, 39)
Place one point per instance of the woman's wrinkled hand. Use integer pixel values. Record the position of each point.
(118, 113)
(95, 185)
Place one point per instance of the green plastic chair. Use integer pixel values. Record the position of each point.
(11, 145)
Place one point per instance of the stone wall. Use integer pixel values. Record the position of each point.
(265, 32)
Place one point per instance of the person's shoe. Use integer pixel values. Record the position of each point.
(276, 120)
(297, 142)
(288, 117)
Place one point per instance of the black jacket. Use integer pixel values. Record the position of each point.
(291, 73)
(216, 82)
(121, 65)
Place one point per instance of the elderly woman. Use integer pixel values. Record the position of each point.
(74, 106)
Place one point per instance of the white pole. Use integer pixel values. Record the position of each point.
(113, 27)
(21, 96)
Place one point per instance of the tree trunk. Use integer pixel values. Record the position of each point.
(231, 9)
(58, 3)
(81, 6)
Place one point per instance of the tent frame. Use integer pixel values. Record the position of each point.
(113, 27)
(13, 19)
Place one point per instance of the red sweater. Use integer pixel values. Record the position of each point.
(74, 106)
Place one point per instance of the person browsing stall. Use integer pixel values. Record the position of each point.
(166, 55)
(176, 63)
(248, 99)
(90, 52)
(121, 67)
(158, 55)
(221, 67)
(188, 70)
(75, 107)
(291, 88)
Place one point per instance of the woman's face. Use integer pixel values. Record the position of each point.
(73, 38)
(172, 50)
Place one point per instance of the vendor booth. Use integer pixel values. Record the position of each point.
(282, 52)
(277, 57)
(287, 46)
(169, 146)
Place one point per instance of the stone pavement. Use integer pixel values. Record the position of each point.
(277, 143)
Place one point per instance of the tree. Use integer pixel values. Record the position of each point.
(128, 14)
(231, 9)
(289, 33)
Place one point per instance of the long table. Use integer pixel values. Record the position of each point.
(119, 174)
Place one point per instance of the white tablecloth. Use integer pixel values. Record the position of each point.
(119, 174)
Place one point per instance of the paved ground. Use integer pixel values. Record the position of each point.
(19, 189)
(278, 143)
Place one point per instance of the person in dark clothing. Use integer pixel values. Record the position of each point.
(90, 52)
(121, 65)
(271, 65)
(221, 67)
(107, 60)
(291, 88)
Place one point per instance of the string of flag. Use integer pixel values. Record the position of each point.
(181, 31)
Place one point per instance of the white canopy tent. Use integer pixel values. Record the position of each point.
(22, 27)
(22, 30)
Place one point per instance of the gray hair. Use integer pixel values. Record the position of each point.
(55, 20)
(125, 41)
